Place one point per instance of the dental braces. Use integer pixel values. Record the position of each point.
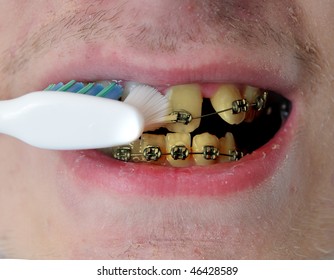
(237, 107)
(151, 153)
(177, 152)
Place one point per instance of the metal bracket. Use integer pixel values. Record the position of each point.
(152, 153)
(122, 153)
(182, 116)
(241, 105)
(210, 152)
(179, 152)
(236, 155)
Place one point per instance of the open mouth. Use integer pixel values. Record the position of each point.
(220, 127)
(229, 123)
(215, 153)
(213, 123)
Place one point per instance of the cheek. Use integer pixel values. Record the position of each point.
(320, 17)
(30, 217)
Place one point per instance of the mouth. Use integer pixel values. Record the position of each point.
(200, 124)
(263, 136)
(232, 121)
(243, 149)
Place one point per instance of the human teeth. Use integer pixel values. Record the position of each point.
(223, 99)
(226, 146)
(188, 98)
(145, 149)
(250, 94)
(201, 140)
(179, 143)
(152, 140)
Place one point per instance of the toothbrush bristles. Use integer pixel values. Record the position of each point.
(111, 91)
(151, 103)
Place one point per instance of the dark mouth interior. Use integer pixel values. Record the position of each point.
(248, 136)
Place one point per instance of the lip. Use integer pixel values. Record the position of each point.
(92, 170)
(225, 65)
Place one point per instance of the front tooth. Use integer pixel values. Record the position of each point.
(178, 139)
(189, 98)
(201, 140)
(250, 94)
(226, 146)
(223, 99)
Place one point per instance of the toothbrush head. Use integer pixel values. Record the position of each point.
(150, 103)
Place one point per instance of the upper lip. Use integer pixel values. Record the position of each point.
(215, 66)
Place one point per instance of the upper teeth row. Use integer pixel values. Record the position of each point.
(232, 105)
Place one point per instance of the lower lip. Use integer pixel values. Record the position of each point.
(91, 170)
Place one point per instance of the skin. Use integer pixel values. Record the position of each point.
(291, 216)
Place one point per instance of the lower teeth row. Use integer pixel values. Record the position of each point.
(180, 155)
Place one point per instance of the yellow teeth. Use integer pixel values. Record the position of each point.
(188, 98)
(178, 144)
(199, 142)
(154, 141)
(226, 146)
(223, 99)
(149, 148)
(234, 104)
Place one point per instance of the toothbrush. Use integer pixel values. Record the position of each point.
(60, 120)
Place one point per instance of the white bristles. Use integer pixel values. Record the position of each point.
(151, 103)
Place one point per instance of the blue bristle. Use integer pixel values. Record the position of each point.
(115, 92)
(57, 86)
(95, 89)
(76, 87)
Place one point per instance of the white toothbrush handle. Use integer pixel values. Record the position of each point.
(70, 121)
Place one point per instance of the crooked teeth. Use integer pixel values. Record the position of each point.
(223, 99)
(178, 144)
(188, 98)
(226, 146)
(199, 143)
(185, 103)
